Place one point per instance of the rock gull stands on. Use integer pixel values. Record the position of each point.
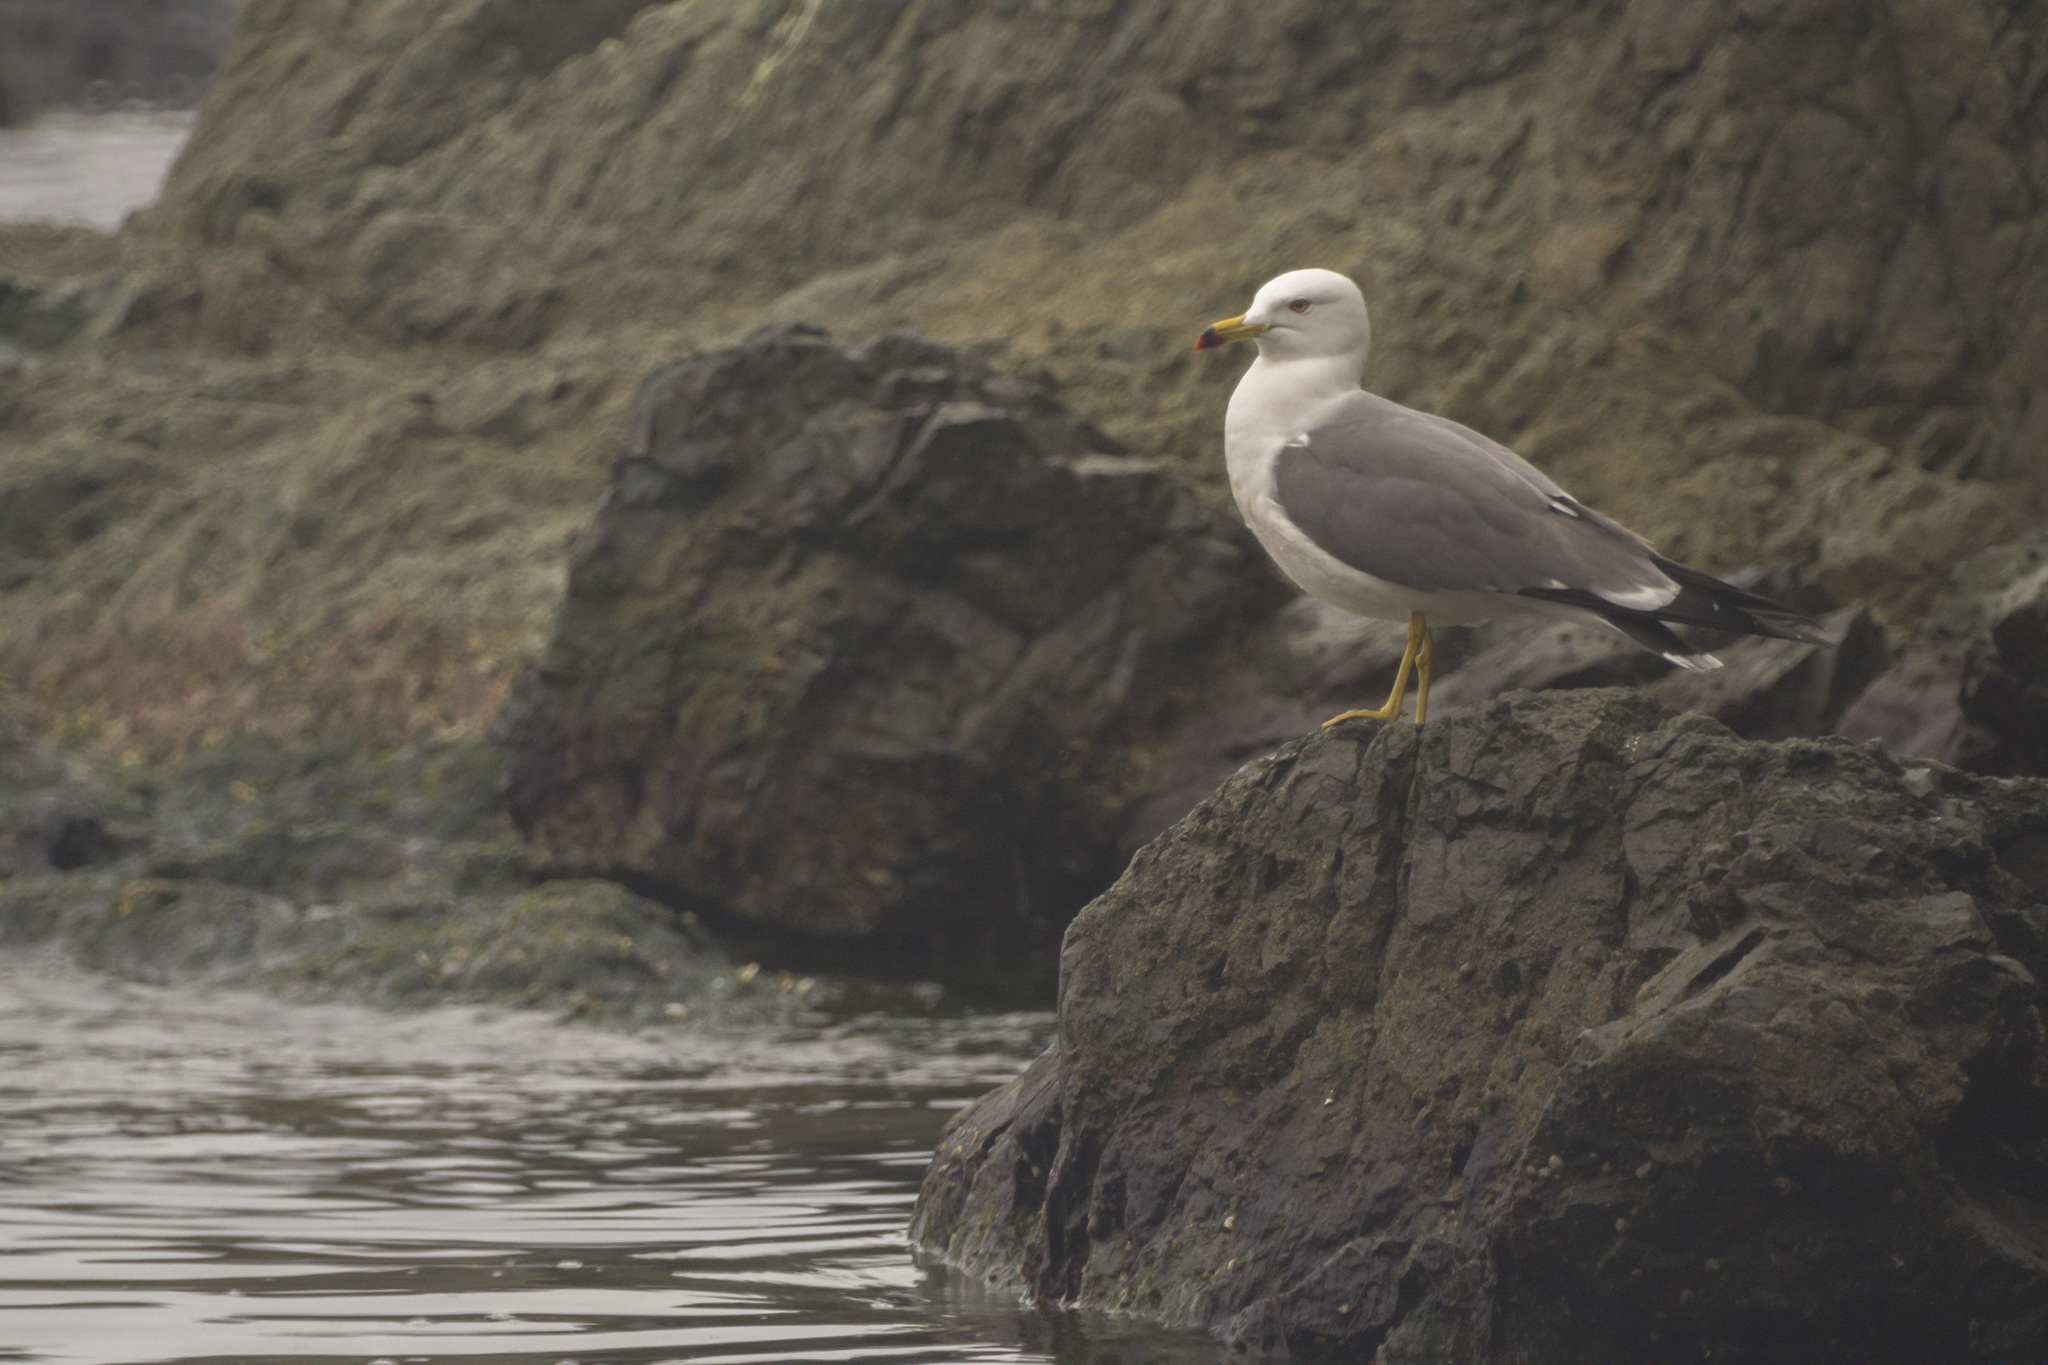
(1397, 514)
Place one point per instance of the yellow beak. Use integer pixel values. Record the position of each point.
(1229, 330)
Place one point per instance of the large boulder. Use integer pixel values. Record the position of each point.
(1560, 1030)
(870, 643)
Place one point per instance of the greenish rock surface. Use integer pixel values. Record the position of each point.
(305, 448)
(587, 946)
(321, 869)
(1560, 1030)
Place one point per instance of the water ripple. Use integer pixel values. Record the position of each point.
(190, 1178)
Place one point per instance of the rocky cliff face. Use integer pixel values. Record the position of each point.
(1764, 280)
(1834, 208)
(1559, 1030)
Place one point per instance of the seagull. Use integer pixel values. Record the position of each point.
(1387, 512)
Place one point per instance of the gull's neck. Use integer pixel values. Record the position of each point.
(1277, 395)
(1307, 377)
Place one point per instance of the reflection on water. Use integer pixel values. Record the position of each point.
(188, 1178)
(87, 168)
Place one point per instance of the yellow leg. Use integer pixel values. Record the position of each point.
(1422, 663)
(1419, 645)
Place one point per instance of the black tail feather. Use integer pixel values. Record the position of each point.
(1703, 601)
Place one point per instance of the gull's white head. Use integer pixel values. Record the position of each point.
(1302, 315)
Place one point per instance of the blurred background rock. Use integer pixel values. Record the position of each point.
(308, 448)
(105, 53)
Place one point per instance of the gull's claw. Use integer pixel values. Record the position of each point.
(1381, 714)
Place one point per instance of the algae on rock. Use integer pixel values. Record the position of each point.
(319, 869)
(1762, 281)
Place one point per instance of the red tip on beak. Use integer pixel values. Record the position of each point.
(1208, 340)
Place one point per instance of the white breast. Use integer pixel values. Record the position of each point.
(1272, 407)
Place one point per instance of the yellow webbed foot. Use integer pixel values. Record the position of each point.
(1384, 713)
(1420, 648)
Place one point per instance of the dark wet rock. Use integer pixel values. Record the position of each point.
(1914, 708)
(2008, 696)
(1766, 689)
(1972, 688)
(1782, 689)
(52, 814)
(1304, 664)
(1559, 655)
(870, 643)
(1559, 1030)
(70, 831)
(1311, 661)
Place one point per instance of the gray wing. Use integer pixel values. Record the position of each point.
(1425, 503)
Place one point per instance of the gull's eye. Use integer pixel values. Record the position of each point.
(1299, 306)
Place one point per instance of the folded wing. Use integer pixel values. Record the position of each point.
(1422, 502)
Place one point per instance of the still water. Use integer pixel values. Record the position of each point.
(227, 1177)
(87, 168)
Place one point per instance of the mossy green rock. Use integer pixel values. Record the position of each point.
(589, 946)
(322, 869)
